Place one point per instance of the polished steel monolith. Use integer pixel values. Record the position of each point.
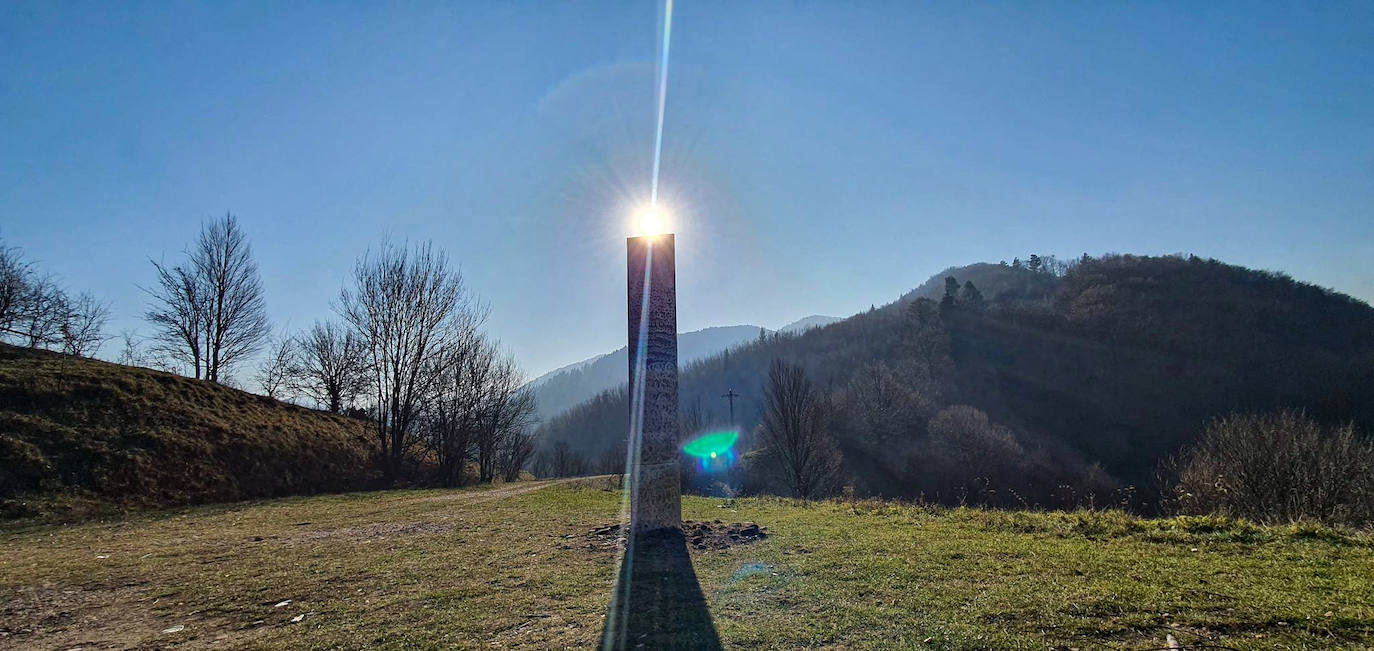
(655, 491)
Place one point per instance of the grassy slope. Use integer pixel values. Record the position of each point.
(510, 566)
(131, 436)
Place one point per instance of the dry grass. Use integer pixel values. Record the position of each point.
(79, 434)
(510, 566)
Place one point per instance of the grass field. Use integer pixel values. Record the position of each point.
(513, 566)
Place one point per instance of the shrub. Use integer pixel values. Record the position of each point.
(967, 440)
(969, 455)
(1276, 467)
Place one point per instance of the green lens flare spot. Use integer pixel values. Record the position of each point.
(712, 445)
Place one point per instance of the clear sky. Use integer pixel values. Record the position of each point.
(819, 157)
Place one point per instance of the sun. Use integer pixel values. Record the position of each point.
(652, 221)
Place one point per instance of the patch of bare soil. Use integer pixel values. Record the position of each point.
(99, 616)
(702, 536)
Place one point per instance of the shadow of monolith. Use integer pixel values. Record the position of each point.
(658, 603)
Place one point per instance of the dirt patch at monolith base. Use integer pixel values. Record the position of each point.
(717, 535)
(702, 536)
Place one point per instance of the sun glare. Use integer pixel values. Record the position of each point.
(652, 221)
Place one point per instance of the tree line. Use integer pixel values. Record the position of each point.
(407, 349)
(1033, 384)
(38, 312)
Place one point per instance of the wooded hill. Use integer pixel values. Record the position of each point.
(1078, 379)
(78, 434)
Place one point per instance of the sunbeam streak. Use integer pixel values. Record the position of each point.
(662, 98)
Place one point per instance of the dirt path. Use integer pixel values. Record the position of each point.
(517, 488)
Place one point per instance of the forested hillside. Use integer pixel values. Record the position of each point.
(77, 433)
(1037, 382)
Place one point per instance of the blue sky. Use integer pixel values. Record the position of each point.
(818, 157)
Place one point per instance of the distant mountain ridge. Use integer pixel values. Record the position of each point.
(575, 366)
(562, 388)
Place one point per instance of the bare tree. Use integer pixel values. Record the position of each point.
(562, 461)
(177, 315)
(509, 411)
(478, 408)
(235, 321)
(328, 367)
(14, 288)
(83, 329)
(35, 311)
(794, 431)
(455, 410)
(130, 352)
(44, 310)
(515, 452)
(407, 307)
(210, 313)
(611, 461)
(274, 372)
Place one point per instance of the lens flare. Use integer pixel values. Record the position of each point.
(712, 444)
(713, 451)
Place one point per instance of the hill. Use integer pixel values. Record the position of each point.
(515, 567)
(1060, 385)
(81, 433)
(558, 390)
(998, 283)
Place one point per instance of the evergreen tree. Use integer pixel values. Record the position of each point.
(951, 291)
(971, 295)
